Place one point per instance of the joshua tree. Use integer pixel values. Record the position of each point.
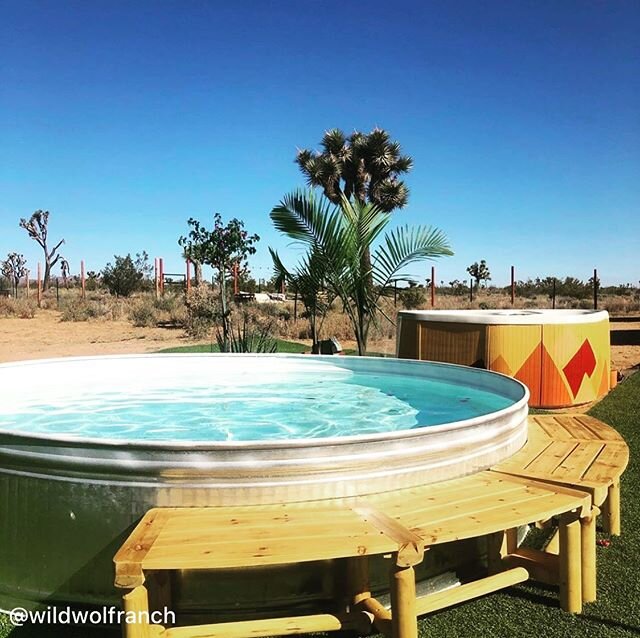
(14, 268)
(480, 272)
(36, 226)
(339, 236)
(363, 166)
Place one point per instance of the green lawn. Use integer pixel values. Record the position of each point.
(292, 347)
(283, 346)
(529, 611)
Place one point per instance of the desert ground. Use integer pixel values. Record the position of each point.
(46, 336)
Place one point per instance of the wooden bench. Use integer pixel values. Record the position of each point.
(577, 451)
(402, 523)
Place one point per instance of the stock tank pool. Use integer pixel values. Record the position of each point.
(88, 445)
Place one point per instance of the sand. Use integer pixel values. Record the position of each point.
(46, 336)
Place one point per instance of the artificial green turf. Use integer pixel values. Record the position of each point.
(528, 611)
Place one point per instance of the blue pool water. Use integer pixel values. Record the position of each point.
(246, 400)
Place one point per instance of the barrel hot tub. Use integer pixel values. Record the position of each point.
(562, 356)
(88, 445)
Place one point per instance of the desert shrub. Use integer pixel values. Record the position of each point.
(126, 276)
(203, 311)
(7, 307)
(144, 313)
(85, 310)
(413, 297)
(25, 308)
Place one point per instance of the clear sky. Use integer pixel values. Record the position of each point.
(523, 118)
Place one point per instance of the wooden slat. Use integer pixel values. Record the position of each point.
(529, 453)
(574, 427)
(579, 461)
(553, 457)
(609, 465)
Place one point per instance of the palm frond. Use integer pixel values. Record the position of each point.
(405, 246)
(302, 218)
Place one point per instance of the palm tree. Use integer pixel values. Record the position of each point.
(308, 280)
(339, 237)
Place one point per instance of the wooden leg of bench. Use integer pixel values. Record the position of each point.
(495, 543)
(358, 579)
(404, 621)
(136, 602)
(511, 536)
(588, 541)
(611, 510)
(570, 565)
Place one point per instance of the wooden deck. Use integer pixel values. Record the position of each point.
(403, 524)
(570, 465)
(578, 451)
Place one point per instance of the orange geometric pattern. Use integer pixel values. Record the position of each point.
(560, 364)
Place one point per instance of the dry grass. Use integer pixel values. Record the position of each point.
(142, 310)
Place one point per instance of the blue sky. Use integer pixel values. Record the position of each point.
(523, 118)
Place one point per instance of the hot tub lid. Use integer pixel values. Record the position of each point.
(507, 316)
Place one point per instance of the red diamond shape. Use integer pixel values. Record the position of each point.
(582, 363)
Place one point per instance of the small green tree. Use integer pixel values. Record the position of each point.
(14, 268)
(126, 276)
(480, 272)
(308, 280)
(220, 248)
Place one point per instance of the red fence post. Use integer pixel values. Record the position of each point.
(513, 285)
(433, 286)
(161, 266)
(39, 286)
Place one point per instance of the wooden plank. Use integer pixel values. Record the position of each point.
(128, 559)
(549, 426)
(468, 591)
(527, 455)
(609, 465)
(598, 429)
(579, 461)
(574, 427)
(245, 554)
(410, 545)
(554, 455)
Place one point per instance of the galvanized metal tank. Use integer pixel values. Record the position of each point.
(66, 504)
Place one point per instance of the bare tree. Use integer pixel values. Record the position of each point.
(36, 226)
